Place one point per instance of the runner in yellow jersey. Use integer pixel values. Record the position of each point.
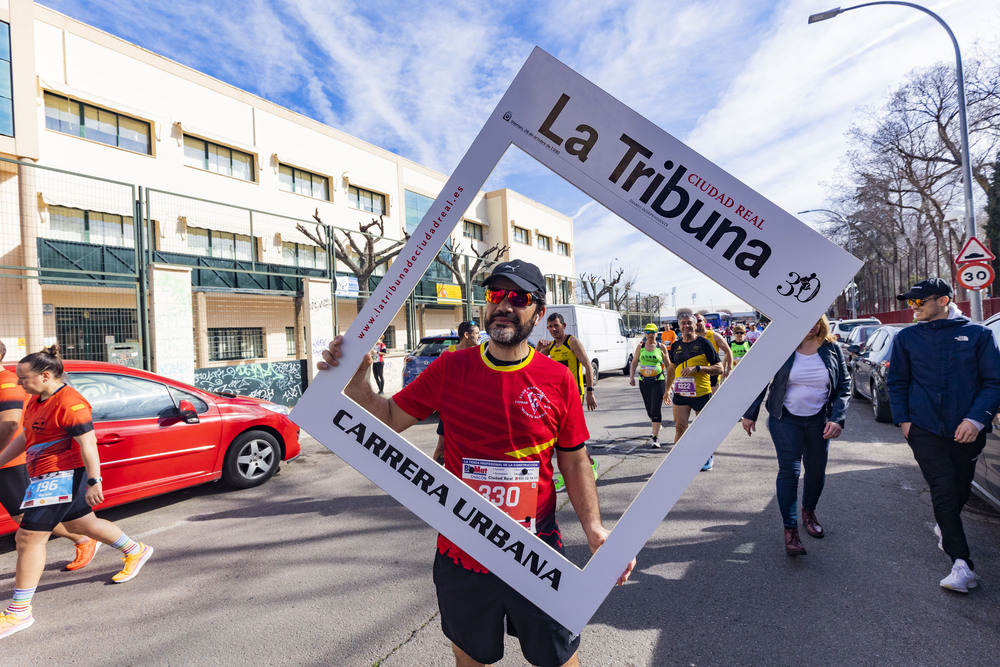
(692, 360)
(718, 341)
(568, 351)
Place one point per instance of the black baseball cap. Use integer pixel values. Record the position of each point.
(525, 275)
(926, 288)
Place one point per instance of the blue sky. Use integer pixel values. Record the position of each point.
(747, 83)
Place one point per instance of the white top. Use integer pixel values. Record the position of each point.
(808, 385)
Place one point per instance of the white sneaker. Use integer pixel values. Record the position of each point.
(961, 578)
(937, 531)
(653, 443)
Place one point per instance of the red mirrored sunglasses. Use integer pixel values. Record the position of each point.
(517, 298)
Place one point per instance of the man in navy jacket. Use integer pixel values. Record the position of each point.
(944, 389)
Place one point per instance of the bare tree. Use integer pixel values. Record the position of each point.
(616, 286)
(456, 266)
(367, 256)
(904, 198)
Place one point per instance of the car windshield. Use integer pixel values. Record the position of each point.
(433, 348)
(850, 326)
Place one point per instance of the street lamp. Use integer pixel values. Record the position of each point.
(975, 297)
(852, 300)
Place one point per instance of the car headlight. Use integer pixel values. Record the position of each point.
(274, 407)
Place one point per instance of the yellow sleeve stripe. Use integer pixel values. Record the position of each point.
(8, 385)
(78, 406)
(534, 449)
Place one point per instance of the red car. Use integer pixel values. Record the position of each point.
(157, 435)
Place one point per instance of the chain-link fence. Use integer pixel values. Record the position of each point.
(69, 265)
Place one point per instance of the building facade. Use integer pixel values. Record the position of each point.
(153, 215)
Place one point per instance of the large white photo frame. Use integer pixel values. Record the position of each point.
(663, 188)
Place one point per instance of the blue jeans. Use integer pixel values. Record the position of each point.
(799, 441)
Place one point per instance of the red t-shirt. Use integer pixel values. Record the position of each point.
(50, 427)
(12, 397)
(519, 413)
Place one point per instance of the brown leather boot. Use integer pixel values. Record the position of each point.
(811, 524)
(793, 545)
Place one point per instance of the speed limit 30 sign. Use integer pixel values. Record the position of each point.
(975, 276)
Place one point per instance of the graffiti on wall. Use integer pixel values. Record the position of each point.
(279, 382)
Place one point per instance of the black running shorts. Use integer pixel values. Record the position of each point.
(697, 403)
(473, 608)
(13, 484)
(49, 516)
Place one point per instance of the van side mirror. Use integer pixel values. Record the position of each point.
(854, 349)
(187, 412)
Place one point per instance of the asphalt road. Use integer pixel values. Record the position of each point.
(319, 567)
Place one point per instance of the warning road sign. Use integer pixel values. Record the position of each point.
(975, 276)
(974, 251)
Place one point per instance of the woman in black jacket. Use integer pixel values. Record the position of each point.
(806, 405)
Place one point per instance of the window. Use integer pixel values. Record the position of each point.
(290, 341)
(302, 182)
(564, 290)
(6, 83)
(472, 230)
(71, 224)
(543, 242)
(416, 208)
(68, 116)
(521, 235)
(235, 344)
(200, 406)
(875, 343)
(121, 397)
(203, 154)
(366, 200)
(303, 255)
(562, 248)
(221, 245)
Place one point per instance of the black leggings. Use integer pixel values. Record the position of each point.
(652, 396)
(377, 369)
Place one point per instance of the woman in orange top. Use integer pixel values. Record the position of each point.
(14, 475)
(65, 470)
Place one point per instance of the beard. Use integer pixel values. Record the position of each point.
(506, 337)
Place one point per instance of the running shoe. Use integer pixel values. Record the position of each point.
(595, 464)
(84, 554)
(653, 443)
(961, 578)
(709, 464)
(559, 482)
(133, 563)
(11, 623)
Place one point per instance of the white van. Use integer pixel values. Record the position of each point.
(601, 331)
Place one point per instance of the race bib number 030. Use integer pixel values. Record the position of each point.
(510, 485)
(51, 489)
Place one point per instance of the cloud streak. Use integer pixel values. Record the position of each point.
(749, 85)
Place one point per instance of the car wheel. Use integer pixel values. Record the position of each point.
(879, 406)
(628, 366)
(597, 370)
(251, 459)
